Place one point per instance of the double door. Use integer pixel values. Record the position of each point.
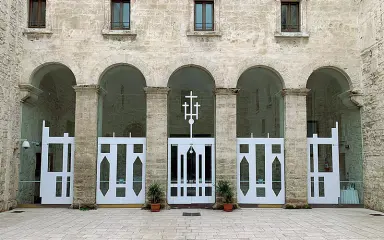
(191, 172)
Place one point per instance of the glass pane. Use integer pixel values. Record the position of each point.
(208, 191)
(276, 176)
(198, 16)
(137, 176)
(68, 187)
(69, 158)
(104, 176)
(174, 164)
(260, 163)
(138, 148)
(116, 15)
(33, 16)
(200, 168)
(260, 192)
(200, 191)
(321, 187)
(276, 148)
(208, 164)
(311, 157)
(59, 186)
(42, 14)
(284, 16)
(55, 158)
(191, 166)
(120, 192)
(209, 16)
(312, 187)
(325, 158)
(191, 192)
(294, 16)
(121, 164)
(173, 191)
(244, 176)
(244, 148)
(126, 15)
(105, 148)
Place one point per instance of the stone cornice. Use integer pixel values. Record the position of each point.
(91, 87)
(29, 93)
(156, 90)
(295, 91)
(227, 91)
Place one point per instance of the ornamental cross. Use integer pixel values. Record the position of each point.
(191, 121)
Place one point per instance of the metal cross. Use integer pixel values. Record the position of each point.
(191, 121)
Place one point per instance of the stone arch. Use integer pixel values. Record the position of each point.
(111, 61)
(340, 75)
(37, 63)
(119, 65)
(260, 63)
(192, 61)
(272, 70)
(38, 74)
(192, 66)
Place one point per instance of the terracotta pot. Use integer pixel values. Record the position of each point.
(155, 207)
(228, 207)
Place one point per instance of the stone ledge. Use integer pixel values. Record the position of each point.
(110, 32)
(29, 93)
(37, 31)
(291, 34)
(203, 34)
(295, 91)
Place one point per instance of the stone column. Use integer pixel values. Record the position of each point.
(295, 146)
(157, 137)
(226, 137)
(86, 146)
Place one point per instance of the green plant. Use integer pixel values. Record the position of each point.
(155, 193)
(225, 190)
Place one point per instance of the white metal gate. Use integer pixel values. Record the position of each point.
(260, 171)
(56, 168)
(323, 169)
(121, 170)
(191, 170)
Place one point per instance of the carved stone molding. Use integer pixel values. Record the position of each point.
(156, 90)
(29, 93)
(295, 91)
(352, 99)
(227, 91)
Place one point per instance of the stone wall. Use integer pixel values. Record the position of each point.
(10, 55)
(372, 57)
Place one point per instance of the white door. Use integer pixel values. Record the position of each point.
(121, 170)
(323, 169)
(191, 170)
(260, 171)
(56, 168)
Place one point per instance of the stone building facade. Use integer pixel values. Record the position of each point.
(339, 42)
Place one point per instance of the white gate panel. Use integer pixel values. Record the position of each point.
(265, 186)
(324, 183)
(187, 187)
(131, 188)
(57, 184)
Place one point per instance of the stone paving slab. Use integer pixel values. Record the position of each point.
(277, 224)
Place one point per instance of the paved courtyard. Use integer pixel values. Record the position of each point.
(47, 223)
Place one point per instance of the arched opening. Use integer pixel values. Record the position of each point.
(260, 130)
(191, 136)
(122, 130)
(56, 105)
(123, 104)
(329, 102)
(259, 104)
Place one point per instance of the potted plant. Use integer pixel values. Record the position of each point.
(155, 194)
(225, 190)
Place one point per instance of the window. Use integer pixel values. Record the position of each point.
(290, 15)
(121, 11)
(36, 14)
(204, 16)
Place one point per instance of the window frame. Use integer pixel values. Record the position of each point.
(289, 25)
(121, 15)
(204, 3)
(38, 24)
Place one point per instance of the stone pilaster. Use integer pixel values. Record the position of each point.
(226, 137)
(157, 137)
(295, 145)
(86, 146)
